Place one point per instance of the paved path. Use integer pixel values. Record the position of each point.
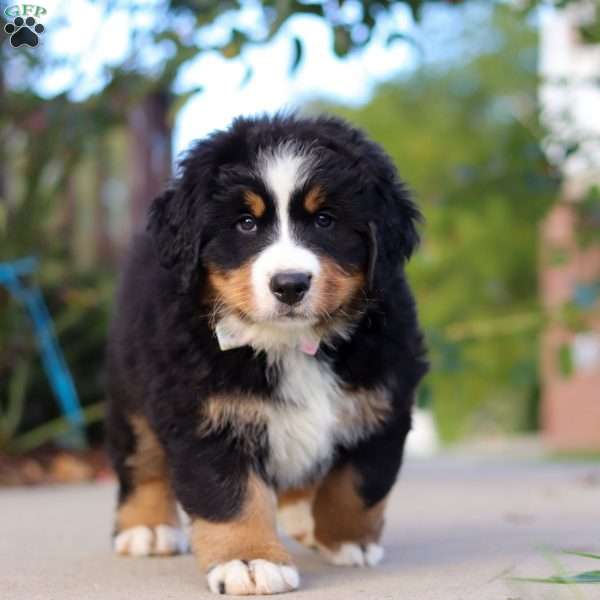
(455, 528)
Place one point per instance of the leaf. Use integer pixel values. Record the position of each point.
(565, 360)
(582, 554)
(398, 36)
(342, 41)
(297, 54)
(181, 100)
(234, 47)
(571, 149)
(54, 429)
(307, 9)
(424, 397)
(590, 34)
(585, 577)
(558, 256)
(415, 8)
(578, 578)
(248, 73)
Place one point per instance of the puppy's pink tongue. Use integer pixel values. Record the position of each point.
(309, 346)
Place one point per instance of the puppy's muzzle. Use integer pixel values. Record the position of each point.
(290, 287)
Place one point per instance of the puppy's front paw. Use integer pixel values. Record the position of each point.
(162, 540)
(257, 576)
(354, 555)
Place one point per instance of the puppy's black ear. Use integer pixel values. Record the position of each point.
(393, 231)
(373, 252)
(174, 225)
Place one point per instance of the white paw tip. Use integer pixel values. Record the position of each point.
(253, 577)
(374, 554)
(354, 555)
(150, 541)
(135, 541)
(169, 540)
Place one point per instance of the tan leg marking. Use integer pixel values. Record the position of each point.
(346, 531)
(252, 535)
(294, 514)
(296, 495)
(147, 521)
(151, 503)
(245, 555)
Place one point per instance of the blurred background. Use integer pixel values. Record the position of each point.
(491, 111)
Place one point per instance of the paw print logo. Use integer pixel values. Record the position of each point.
(24, 32)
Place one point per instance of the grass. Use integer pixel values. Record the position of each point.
(577, 578)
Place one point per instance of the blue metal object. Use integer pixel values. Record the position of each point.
(52, 356)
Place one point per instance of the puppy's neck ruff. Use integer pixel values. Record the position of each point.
(273, 338)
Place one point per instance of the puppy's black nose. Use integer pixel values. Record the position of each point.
(290, 287)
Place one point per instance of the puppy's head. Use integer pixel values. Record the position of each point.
(288, 222)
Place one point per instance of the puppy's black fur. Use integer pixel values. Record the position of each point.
(164, 359)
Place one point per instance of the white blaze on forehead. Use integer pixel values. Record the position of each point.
(283, 169)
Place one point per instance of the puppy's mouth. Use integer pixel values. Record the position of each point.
(301, 316)
(292, 317)
(293, 314)
(285, 316)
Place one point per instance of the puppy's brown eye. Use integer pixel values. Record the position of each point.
(247, 224)
(323, 220)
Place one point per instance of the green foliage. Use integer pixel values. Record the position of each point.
(52, 142)
(584, 577)
(467, 140)
(589, 30)
(565, 360)
(79, 302)
(588, 215)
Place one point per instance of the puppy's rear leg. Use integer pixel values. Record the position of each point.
(349, 506)
(294, 514)
(147, 523)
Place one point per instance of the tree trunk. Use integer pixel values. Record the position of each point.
(2, 133)
(102, 238)
(150, 153)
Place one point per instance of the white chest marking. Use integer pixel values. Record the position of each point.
(311, 412)
(304, 428)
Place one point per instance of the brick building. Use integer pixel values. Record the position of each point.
(570, 274)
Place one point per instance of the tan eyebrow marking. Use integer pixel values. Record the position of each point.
(314, 199)
(255, 203)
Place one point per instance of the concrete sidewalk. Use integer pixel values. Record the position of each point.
(456, 527)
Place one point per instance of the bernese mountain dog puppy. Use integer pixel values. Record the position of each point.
(264, 353)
